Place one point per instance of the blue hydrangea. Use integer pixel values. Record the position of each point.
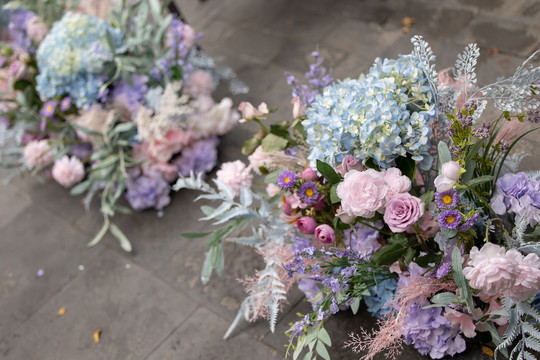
(382, 115)
(379, 296)
(72, 58)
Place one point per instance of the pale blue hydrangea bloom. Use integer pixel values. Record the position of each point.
(72, 58)
(382, 115)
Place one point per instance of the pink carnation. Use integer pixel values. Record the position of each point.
(528, 281)
(38, 153)
(492, 269)
(397, 183)
(235, 174)
(68, 171)
(199, 83)
(402, 211)
(362, 193)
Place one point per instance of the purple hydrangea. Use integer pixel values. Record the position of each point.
(311, 290)
(199, 157)
(18, 20)
(146, 192)
(443, 270)
(447, 199)
(379, 296)
(363, 239)
(450, 219)
(308, 193)
(130, 94)
(286, 180)
(430, 333)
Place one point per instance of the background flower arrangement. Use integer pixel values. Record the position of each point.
(110, 107)
(444, 252)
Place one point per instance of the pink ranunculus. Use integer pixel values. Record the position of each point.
(272, 190)
(235, 174)
(249, 111)
(528, 281)
(397, 183)
(325, 234)
(451, 170)
(162, 149)
(38, 153)
(309, 174)
(298, 108)
(492, 269)
(362, 193)
(349, 163)
(402, 211)
(306, 224)
(36, 29)
(68, 171)
(199, 83)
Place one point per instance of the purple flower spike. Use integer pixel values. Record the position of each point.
(65, 104)
(450, 219)
(48, 108)
(308, 193)
(447, 199)
(286, 180)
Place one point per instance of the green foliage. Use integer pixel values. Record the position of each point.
(48, 10)
(328, 172)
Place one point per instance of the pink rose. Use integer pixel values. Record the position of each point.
(68, 171)
(235, 174)
(528, 281)
(397, 183)
(492, 269)
(349, 163)
(272, 190)
(362, 193)
(309, 174)
(38, 154)
(162, 149)
(451, 170)
(199, 83)
(402, 211)
(36, 29)
(298, 108)
(249, 111)
(306, 225)
(346, 218)
(325, 234)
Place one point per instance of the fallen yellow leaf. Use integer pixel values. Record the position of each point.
(487, 351)
(407, 21)
(493, 51)
(97, 334)
(61, 312)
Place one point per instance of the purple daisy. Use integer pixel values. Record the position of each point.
(450, 219)
(48, 108)
(286, 180)
(308, 193)
(65, 104)
(447, 199)
(470, 222)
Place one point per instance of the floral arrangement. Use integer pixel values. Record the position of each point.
(116, 107)
(395, 188)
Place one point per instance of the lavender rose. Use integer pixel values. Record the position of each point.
(402, 211)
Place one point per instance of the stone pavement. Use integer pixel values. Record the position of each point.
(151, 304)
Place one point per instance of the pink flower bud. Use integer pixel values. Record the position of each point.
(343, 216)
(325, 234)
(306, 225)
(451, 170)
(298, 108)
(309, 174)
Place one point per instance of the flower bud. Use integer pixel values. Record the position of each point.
(306, 224)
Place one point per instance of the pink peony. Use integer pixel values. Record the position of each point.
(199, 83)
(68, 171)
(528, 281)
(306, 225)
(308, 174)
(272, 190)
(402, 211)
(397, 183)
(249, 111)
(38, 153)
(362, 193)
(235, 174)
(325, 234)
(491, 269)
(298, 108)
(162, 149)
(36, 29)
(349, 163)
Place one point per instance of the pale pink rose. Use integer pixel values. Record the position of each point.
(349, 163)
(162, 149)
(397, 183)
(68, 171)
(249, 111)
(309, 174)
(199, 83)
(492, 269)
(465, 321)
(298, 108)
(217, 120)
(38, 154)
(272, 190)
(325, 234)
(451, 170)
(235, 174)
(402, 211)
(528, 281)
(36, 29)
(362, 193)
(346, 218)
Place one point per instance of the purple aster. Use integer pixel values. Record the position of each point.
(308, 193)
(48, 108)
(65, 104)
(286, 180)
(447, 199)
(450, 219)
(443, 270)
(470, 222)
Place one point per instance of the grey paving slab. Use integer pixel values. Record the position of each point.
(17, 202)
(133, 310)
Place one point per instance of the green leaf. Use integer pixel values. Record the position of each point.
(321, 351)
(334, 198)
(272, 177)
(427, 197)
(206, 272)
(101, 233)
(389, 253)
(119, 235)
(356, 305)
(328, 172)
(426, 260)
(407, 166)
(444, 153)
(324, 337)
(80, 187)
(480, 180)
(272, 142)
(249, 146)
(446, 298)
(110, 42)
(196, 235)
(459, 278)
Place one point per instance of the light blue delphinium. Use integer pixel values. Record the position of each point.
(382, 115)
(72, 58)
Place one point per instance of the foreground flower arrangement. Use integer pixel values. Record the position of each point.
(111, 107)
(391, 188)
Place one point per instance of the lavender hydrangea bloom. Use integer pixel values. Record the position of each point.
(363, 239)
(518, 194)
(130, 95)
(311, 290)
(199, 157)
(146, 192)
(18, 20)
(430, 333)
(381, 294)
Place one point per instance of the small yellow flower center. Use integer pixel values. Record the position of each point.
(49, 108)
(447, 199)
(450, 219)
(287, 179)
(309, 192)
